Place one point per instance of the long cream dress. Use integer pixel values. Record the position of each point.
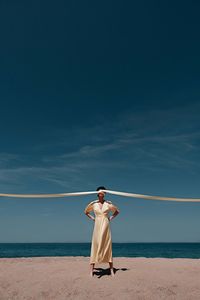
(101, 248)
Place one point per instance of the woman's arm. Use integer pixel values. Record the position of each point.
(88, 209)
(114, 215)
(90, 216)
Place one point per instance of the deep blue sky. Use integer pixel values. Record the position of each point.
(93, 94)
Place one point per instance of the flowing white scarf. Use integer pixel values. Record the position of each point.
(132, 195)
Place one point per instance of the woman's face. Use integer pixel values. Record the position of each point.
(101, 195)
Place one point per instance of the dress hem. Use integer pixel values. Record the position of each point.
(99, 262)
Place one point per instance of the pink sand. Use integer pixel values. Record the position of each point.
(68, 278)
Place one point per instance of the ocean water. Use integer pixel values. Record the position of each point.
(168, 250)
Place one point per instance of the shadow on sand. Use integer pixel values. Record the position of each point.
(99, 272)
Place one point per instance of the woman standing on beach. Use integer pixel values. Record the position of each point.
(101, 248)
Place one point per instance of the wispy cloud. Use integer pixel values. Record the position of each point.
(151, 140)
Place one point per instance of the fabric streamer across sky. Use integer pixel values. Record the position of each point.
(124, 194)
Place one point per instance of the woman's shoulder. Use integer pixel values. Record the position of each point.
(109, 202)
(94, 201)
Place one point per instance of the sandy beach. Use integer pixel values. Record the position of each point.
(68, 278)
